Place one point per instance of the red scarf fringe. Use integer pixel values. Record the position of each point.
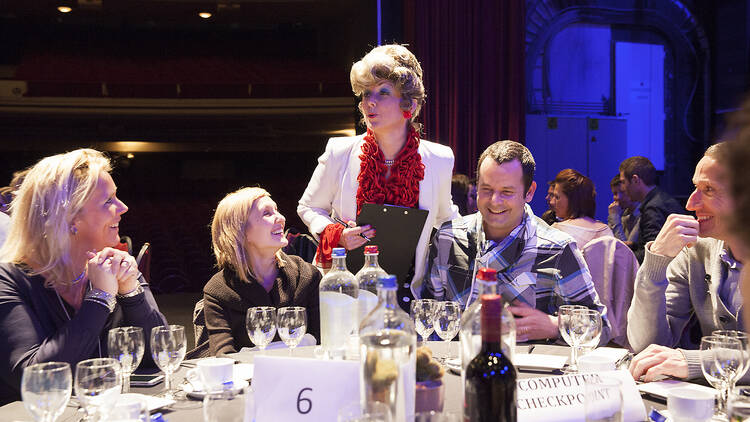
(402, 186)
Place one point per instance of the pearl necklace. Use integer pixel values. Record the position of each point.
(389, 162)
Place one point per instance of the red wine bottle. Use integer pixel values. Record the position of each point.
(490, 386)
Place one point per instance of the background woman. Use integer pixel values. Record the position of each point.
(389, 164)
(574, 202)
(247, 234)
(62, 286)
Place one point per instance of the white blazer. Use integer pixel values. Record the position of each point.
(333, 189)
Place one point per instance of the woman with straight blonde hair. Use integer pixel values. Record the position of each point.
(247, 233)
(62, 285)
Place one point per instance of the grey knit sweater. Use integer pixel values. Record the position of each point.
(676, 300)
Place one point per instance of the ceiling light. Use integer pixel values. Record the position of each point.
(64, 9)
(130, 156)
(205, 15)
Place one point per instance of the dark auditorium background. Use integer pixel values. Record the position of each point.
(191, 108)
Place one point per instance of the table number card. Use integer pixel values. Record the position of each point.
(300, 389)
(561, 398)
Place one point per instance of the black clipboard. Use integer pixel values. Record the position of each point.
(398, 231)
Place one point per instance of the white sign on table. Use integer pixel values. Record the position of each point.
(561, 398)
(301, 389)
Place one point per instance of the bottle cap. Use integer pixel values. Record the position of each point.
(371, 249)
(387, 281)
(338, 252)
(487, 274)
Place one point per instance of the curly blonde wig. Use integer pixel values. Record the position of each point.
(396, 64)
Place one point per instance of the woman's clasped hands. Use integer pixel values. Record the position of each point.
(113, 271)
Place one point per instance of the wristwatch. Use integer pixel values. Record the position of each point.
(135, 292)
(102, 297)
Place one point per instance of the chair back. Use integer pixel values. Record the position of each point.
(201, 349)
(300, 244)
(126, 244)
(144, 261)
(613, 268)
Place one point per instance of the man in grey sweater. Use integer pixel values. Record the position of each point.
(688, 284)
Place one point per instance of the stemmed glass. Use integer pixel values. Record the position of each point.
(564, 313)
(261, 325)
(584, 327)
(224, 406)
(447, 322)
(126, 345)
(292, 325)
(45, 389)
(423, 312)
(721, 361)
(168, 350)
(98, 384)
(743, 338)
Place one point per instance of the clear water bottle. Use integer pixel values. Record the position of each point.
(338, 306)
(388, 354)
(367, 278)
(470, 333)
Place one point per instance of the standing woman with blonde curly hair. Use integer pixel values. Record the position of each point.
(62, 284)
(389, 164)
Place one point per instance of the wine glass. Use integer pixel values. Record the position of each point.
(130, 407)
(224, 406)
(591, 337)
(720, 362)
(371, 412)
(45, 389)
(261, 325)
(743, 338)
(168, 350)
(447, 321)
(98, 384)
(564, 312)
(292, 325)
(603, 399)
(584, 327)
(423, 312)
(738, 407)
(126, 345)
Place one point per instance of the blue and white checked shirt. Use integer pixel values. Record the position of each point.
(536, 264)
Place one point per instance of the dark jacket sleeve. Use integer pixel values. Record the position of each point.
(29, 340)
(652, 220)
(313, 303)
(218, 325)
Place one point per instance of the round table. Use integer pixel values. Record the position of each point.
(189, 409)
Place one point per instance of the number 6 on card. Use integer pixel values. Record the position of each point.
(296, 389)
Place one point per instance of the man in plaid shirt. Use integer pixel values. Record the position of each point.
(539, 268)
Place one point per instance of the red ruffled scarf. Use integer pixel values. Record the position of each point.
(402, 186)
